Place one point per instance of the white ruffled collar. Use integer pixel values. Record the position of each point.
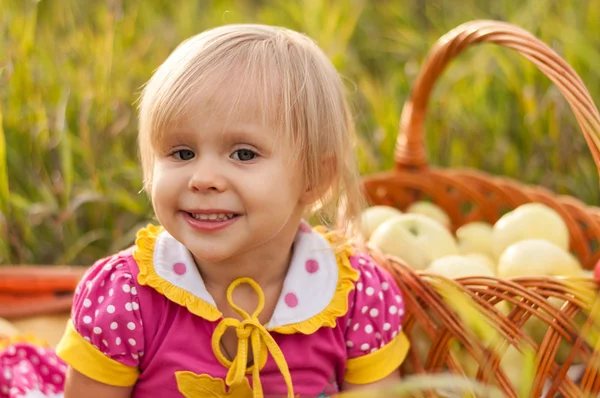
(309, 286)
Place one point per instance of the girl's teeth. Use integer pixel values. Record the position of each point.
(212, 217)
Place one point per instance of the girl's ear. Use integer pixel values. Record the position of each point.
(315, 190)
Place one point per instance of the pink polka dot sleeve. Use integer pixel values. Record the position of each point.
(106, 311)
(377, 312)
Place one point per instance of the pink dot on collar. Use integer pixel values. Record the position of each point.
(291, 300)
(312, 266)
(179, 268)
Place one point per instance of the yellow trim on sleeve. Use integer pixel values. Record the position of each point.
(88, 360)
(379, 364)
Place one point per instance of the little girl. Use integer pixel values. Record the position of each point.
(244, 133)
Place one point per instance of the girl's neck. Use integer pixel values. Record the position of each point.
(267, 270)
(267, 265)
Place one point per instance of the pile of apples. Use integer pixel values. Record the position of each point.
(531, 240)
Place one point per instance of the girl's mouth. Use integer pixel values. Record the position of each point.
(213, 216)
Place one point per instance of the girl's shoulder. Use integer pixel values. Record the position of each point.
(375, 340)
(374, 280)
(370, 279)
(109, 272)
(109, 285)
(107, 297)
(106, 325)
(376, 299)
(372, 324)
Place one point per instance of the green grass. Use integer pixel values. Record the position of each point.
(71, 70)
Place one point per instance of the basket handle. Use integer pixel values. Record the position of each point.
(410, 147)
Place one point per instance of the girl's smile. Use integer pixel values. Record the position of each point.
(210, 220)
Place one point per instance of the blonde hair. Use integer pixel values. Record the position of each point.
(295, 86)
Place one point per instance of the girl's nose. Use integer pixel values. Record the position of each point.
(207, 177)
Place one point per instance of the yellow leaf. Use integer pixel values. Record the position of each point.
(193, 385)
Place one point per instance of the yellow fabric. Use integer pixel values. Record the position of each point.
(86, 359)
(379, 364)
(338, 307)
(262, 344)
(192, 385)
(144, 256)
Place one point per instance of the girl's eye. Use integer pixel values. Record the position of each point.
(244, 155)
(184, 154)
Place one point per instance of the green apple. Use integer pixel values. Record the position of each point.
(430, 210)
(455, 266)
(414, 238)
(537, 257)
(529, 221)
(374, 216)
(475, 237)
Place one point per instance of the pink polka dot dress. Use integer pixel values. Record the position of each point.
(30, 369)
(144, 318)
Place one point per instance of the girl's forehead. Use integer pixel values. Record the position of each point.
(221, 98)
(233, 99)
(230, 112)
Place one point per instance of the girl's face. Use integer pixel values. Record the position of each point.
(224, 184)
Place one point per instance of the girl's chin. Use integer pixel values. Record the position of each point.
(206, 256)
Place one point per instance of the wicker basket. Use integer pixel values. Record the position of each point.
(486, 198)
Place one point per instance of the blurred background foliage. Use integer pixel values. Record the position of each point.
(71, 71)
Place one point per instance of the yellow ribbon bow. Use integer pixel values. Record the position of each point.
(260, 338)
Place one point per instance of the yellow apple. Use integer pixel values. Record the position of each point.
(430, 210)
(504, 307)
(529, 221)
(537, 330)
(513, 364)
(475, 237)
(587, 273)
(469, 364)
(484, 259)
(535, 327)
(414, 238)
(455, 266)
(537, 257)
(420, 342)
(374, 216)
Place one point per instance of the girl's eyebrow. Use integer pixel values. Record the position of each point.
(239, 133)
(247, 133)
(178, 134)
